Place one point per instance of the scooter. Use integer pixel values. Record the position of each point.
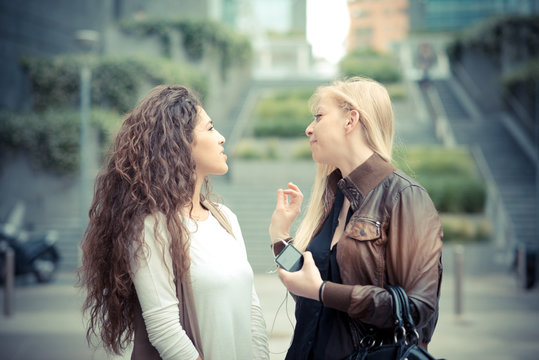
(35, 253)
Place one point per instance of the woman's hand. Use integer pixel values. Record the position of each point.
(305, 282)
(287, 209)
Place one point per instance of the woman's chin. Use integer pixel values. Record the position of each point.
(223, 171)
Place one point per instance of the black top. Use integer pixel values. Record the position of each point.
(322, 332)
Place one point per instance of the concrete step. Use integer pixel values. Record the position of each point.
(510, 168)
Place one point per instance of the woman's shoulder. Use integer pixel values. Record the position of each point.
(225, 210)
(402, 185)
(402, 180)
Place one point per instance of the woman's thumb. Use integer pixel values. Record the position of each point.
(308, 256)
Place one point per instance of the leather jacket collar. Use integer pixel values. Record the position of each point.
(358, 183)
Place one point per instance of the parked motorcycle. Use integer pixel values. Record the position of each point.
(35, 252)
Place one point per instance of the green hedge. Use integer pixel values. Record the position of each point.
(198, 36)
(116, 82)
(252, 149)
(284, 113)
(51, 138)
(449, 175)
(465, 228)
(380, 67)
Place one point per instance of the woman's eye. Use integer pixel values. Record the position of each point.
(317, 117)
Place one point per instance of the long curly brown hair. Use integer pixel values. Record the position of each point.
(148, 170)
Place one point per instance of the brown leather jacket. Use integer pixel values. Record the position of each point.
(393, 237)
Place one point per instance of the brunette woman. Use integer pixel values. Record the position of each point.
(165, 268)
(367, 225)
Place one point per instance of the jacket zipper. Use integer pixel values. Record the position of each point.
(378, 224)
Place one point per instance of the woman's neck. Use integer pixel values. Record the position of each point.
(353, 159)
(195, 210)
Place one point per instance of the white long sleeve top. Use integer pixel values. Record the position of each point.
(228, 310)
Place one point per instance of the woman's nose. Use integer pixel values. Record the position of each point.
(222, 139)
(309, 129)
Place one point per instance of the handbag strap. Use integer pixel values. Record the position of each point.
(399, 331)
(404, 330)
(411, 336)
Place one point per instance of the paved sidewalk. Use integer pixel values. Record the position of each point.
(499, 320)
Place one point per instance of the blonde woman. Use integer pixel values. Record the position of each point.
(367, 225)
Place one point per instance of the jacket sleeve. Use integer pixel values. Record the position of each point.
(414, 252)
(156, 291)
(412, 260)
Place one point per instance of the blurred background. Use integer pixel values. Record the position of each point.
(462, 75)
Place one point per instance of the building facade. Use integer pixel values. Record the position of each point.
(443, 15)
(377, 24)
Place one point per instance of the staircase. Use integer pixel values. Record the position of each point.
(69, 236)
(508, 166)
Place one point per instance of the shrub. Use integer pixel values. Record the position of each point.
(51, 138)
(465, 228)
(454, 194)
(380, 67)
(272, 149)
(116, 82)
(249, 149)
(397, 91)
(198, 35)
(284, 113)
(55, 81)
(302, 150)
(449, 175)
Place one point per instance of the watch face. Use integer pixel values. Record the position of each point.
(289, 258)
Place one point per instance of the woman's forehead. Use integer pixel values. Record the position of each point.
(326, 101)
(203, 117)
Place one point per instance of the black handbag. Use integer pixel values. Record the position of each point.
(405, 335)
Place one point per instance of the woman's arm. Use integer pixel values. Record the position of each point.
(156, 291)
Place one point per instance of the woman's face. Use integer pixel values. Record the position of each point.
(326, 132)
(207, 147)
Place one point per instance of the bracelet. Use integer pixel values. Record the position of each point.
(286, 241)
(320, 291)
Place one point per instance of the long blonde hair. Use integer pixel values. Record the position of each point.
(371, 100)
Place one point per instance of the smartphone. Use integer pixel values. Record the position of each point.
(290, 258)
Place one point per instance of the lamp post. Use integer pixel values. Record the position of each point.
(87, 41)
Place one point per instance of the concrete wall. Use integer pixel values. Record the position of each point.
(48, 28)
(40, 27)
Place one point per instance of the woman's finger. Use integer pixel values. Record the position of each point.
(293, 187)
(283, 275)
(282, 198)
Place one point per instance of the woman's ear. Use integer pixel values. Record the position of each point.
(352, 121)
